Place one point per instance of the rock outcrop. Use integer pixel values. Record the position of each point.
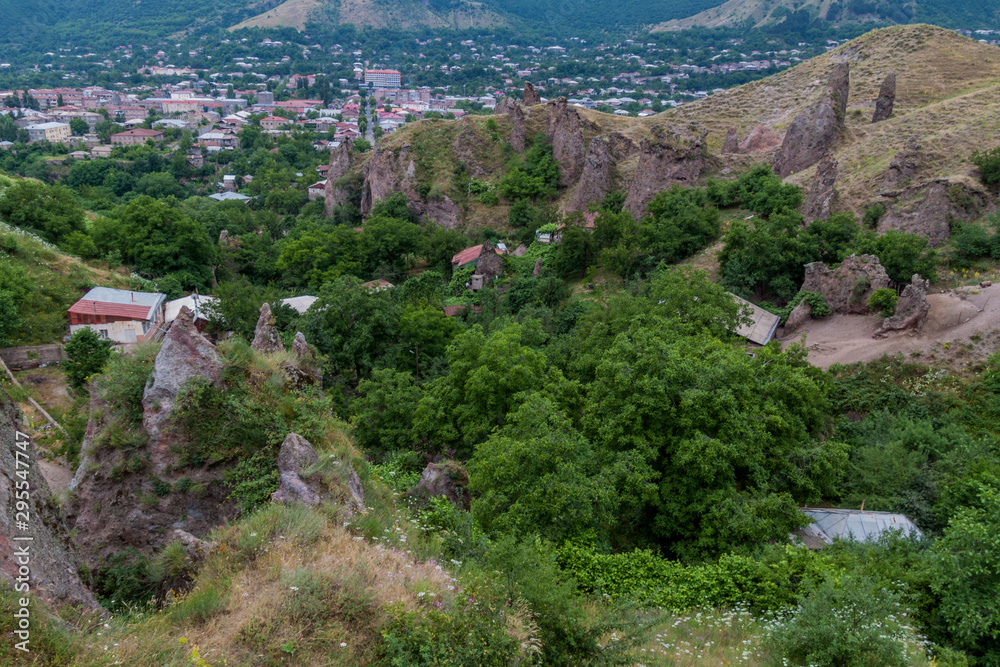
(537, 271)
(565, 131)
(518, 129)
(597, 179)
(530, 97)
(731, 144)
(663, 161)
(814, 131)
(847, 288)
(911, 310)
(306, 371)
(801, 314)
(490, 264)
(503, 106)
(886, 99)
(822, 195)
(340, 164)
(266, 338)
(53, 565)
(388, 172)
(904, 165)
(300, 348)
(184, 356)
(447, 479)
(930, 209)
(760, 139)
(297, 487)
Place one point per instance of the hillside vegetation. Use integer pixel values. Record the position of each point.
(397, 14)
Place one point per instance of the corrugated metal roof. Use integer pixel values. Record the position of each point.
(762, 325)
(195, 303)
(857, 525)
(300, 303)
(118, 303)
(465, 256)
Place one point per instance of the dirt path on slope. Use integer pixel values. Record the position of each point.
(963, 326)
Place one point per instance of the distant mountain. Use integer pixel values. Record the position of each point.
(400, 14)
(970, 14)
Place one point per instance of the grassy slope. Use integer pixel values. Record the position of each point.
(735, 12)
(402, 14)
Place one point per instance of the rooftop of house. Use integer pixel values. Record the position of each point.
(139, 132)
(194, 302)
(118, 303)
(858, 525)
(300, 303)
(762, 323)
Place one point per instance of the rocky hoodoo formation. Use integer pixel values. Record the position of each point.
(295, 457)
(663, 161)
(911, 310)
(537, 271)
(904, 165)
(490, 264)
(814, 131)
(503, 106)
(266, 338)
(847, 288)
(760, 139)
(53, 566)
(300, 348)
(306, 371)
(822, 195)
(731, 144)
(801, 314)
(930, 209)
(184, 356)
(530, 97)
(518, 129)
(447, 479)
(886, 99)
(340, 164)
(565, 131)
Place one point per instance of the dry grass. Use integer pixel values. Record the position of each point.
(735, 12)
(293, 13)
(376, 14)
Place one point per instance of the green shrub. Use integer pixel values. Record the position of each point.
(883, 301)
(197, 606)
(819, 307)
(124, 581)
(253, 480)
(988, 163)
(471, 635)
(873, 214)
(852, 623)
(86, 356)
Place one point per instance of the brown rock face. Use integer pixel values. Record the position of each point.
(886, 99)
(490, 264)
(53, 565)
(502, 107)
(911, 311)
(300, 348)
(340, 164)
(759, 140)
(184, 356)
(904, 165)
(295, 456)
(930, 208)
(822, 195)
(266, 338)
(731, 144)
(448, 479)
(801, 314)
(537, 271)
(813, 131)
(566, 134)
(847, 288)
(385, 173)
(597, 178)
(663, 161)
(531, 96)
(518, 129)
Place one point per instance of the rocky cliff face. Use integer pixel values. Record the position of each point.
(388, 172)
(930, 208)
(731, 144)
(53, 565)
(760, 139)
(518, 129)
(266, 337)
(847, 288)
(904, 166)
(564, 129)
(886, 99)
(814, 131)
(822, 195)
(597, 178)
(664, 160)
(340, 164)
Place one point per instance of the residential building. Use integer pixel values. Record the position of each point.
(273, 122)
(317, 190)
(53, 132)
(383, 78)
(136, 136)
(196, 304)
(122, 316)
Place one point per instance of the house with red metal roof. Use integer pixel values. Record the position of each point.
(122, 316)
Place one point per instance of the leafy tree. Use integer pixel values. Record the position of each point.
(387, 242)
(86, 356)
(539, 475)
(78, 127)
(317, 253)
(883, 301)
(680, 222)
(439, 244)
(159, 185)
(765, 258)
(902, 254)
(988, 163)
(53, 212)
(383, 411)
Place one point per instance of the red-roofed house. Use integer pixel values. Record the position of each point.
(470, 255)
(120, 315)
(136, 136)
